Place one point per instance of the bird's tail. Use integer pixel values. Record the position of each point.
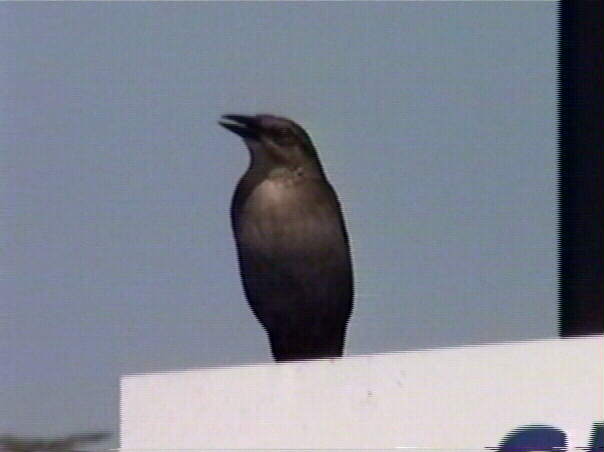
(303, 347)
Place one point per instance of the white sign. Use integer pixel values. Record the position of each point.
(525, 395)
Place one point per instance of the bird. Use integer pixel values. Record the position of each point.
(292, 245)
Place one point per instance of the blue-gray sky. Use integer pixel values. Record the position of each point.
(435, 122)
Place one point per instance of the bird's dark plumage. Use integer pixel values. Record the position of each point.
(293, 249)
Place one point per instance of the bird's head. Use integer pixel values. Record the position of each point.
(273, 139)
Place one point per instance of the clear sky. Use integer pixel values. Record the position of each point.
(435, 122)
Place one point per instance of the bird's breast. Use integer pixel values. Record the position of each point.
(274, 196)
(281, 216)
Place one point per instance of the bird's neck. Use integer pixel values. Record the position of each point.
(288, 173)
(263, 167)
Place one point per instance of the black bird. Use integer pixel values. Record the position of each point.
(292, 245)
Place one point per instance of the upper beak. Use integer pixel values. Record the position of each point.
(244, 126)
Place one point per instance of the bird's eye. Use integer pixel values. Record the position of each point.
(283, 135)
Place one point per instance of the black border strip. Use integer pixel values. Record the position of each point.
(581, 152)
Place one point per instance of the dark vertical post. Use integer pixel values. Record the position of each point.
(581, 172)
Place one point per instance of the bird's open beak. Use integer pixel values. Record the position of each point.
(244, 126)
